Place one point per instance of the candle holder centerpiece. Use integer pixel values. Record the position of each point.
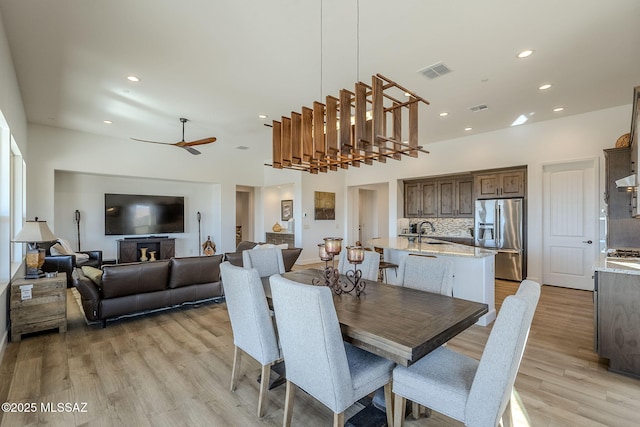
(327, 252)
(330, 274)
(355, 256)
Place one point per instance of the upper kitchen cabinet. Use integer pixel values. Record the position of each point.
(420, 199)
(623, 229)
(501, 185)
(455, 197)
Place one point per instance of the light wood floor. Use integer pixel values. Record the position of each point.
(173, 369)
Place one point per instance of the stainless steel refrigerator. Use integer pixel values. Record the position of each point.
(499, 225)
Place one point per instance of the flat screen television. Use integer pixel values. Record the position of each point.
(134, 214)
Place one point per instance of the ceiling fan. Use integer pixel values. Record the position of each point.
(183, 144)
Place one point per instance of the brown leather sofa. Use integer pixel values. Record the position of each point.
(142, 286)
(289, 256)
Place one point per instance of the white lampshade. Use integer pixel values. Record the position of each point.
(34, 232)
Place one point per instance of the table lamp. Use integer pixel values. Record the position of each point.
(32, 233)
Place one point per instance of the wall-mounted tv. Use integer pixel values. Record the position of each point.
(134, 214)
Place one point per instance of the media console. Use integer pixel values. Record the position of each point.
(129, 249)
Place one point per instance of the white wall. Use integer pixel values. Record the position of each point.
(85, 192)
(53, 149)
(13, 121)
(566, 139)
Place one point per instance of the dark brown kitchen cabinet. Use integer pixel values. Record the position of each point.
(617, 332)
(500, 185)
(421, 199)
(455, 197)
(623, 229)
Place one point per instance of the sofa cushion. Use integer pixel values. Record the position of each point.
(194, 270)
(135, 278)
(95, 274)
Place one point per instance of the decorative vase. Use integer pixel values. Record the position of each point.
(277, 227)
(152, 255)
(143, 251)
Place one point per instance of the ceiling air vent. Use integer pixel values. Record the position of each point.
(435, 70)
(480, 107)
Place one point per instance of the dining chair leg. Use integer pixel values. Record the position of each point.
(399, 411)
(415, 410)
(338, 419)
(388, 399)
(288, 403)
(264, 385)
(235, 371)
(507, 420)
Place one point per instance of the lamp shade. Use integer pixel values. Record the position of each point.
(34, 232)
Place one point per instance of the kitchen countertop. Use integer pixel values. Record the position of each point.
(618, 265)
(431, 246)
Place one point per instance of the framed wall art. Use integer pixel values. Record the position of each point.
(324, 205)
(286, 210)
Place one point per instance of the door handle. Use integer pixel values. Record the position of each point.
(587, 242)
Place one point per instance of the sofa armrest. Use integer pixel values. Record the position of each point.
(234, 258)
(61, 264)
(90, 295)
(290, 256)
(95, 258)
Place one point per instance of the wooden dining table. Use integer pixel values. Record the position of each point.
(398, 323)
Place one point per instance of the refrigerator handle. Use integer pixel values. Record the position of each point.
(497, 224)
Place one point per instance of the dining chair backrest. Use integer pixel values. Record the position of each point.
(370, 266)
(500, 361)
(311, 341)
(428, 274)
(266, 261)
(251, 323)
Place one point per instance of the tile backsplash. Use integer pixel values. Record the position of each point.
(452, 227)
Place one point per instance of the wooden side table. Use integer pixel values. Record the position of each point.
(38, 305)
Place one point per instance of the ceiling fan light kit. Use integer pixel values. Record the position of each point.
(184, 144)
(345, 132)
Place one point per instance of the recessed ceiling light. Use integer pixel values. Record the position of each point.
(468, 129)
(444, 114)
(558, 109)
(520, 120)
(133, 79)
(108, 122)
(262, 116)
(545, 86)
(525, 53)
(407, 94)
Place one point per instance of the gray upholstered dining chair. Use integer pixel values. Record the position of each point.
(474, 392)
(251, 324)
(426, 273)
(317, 359)
(370, 265)
(266, 261)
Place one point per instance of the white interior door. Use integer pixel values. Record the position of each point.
(367, 216)
(570, 224)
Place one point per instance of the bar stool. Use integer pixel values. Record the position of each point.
(384, 265)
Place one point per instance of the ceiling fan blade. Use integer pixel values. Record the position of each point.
(201, 141)
(191, 150)
(152, 142)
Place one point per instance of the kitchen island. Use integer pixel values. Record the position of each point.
(617, 318)
(473, 268)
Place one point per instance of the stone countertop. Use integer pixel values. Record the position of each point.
(618, 265)
(431, 246)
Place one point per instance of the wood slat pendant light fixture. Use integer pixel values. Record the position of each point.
(349, 130)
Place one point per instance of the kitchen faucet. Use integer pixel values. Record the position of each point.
(419, 229)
